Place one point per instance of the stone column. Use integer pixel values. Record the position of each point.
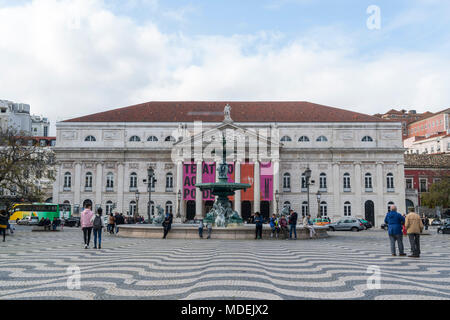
(121, 186)
(237, 195)
(257, 188)
(179, 187)
(358, 189)
(381, 206)
(99, 184)
(338, 207)
(276, 185)
(77, 184)
(198, 193)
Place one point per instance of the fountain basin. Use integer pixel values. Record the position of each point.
(190, 232)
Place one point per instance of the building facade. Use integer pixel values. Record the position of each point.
(421, 171)
(356, 160)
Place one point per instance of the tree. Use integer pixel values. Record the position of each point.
(22, 163)
(438, 196)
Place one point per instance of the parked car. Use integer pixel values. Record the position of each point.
(347, 224)
(444, 229)
(367, 224)
(26, 221)
(34, 221)
(72, 222)
(436, 222)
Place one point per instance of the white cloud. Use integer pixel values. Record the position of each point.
(71, 58)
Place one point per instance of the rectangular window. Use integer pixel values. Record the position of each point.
(409, 183)
(423, 185)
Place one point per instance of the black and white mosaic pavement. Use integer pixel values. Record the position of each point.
(35, 266)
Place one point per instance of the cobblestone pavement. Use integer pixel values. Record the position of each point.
(35, 266)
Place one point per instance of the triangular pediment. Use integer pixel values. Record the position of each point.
(216, 133)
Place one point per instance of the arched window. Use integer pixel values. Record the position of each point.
(169, 207)
(90, 139)
(367, 139)
(133, 181)
(322, 139)
(347, 186)
(305, 210)
(323, 181)
(88, 181)
(303, 139)
(109, 207)
(67, 181)
(390, 204)
(287, 182)
(286, 139)
(135, 139)
(110, 181)
(170, 139)
(152, 139)
(132, 210)
(390, 182)
(324, 209)
(347, 209)
(169, 182)
(368, 182)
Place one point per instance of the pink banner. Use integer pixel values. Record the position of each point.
(266, 181)
(208, 176)
(189, 180)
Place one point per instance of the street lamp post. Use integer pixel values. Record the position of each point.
(150, 181)
(319, 195)
(179, 201)
(136, 212)
(307, 174)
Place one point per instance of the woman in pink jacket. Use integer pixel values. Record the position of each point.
(87, 223)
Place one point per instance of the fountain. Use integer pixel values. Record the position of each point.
(222, 214)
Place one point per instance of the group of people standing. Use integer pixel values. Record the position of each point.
(92, 222)
(413, 226)
(280, 225)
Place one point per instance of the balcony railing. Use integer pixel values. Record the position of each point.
(87, 189)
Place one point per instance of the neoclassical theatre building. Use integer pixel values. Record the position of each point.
(356, 160)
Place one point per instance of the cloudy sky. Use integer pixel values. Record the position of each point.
(68, 58)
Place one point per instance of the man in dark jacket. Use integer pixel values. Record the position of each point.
(167, 224)
(395, 221)
(293, 224)
(258, 225)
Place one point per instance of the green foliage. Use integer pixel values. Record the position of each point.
(438, 196)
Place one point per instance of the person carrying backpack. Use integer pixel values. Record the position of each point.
(87, 217)
(98, 224)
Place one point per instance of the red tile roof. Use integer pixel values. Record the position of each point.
(241, 112)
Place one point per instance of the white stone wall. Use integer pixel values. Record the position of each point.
(343, 152)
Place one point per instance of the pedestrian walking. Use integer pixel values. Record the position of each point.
(87, 217)
(426, 222)
(167, 224)
(98, 225)
(293, 224)
(414, 227)
(395, 220)
(209, 227)
(259, 225)
(274, 225)
(308, 225)
(200, 229)
(4, 217)
(111, 223)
